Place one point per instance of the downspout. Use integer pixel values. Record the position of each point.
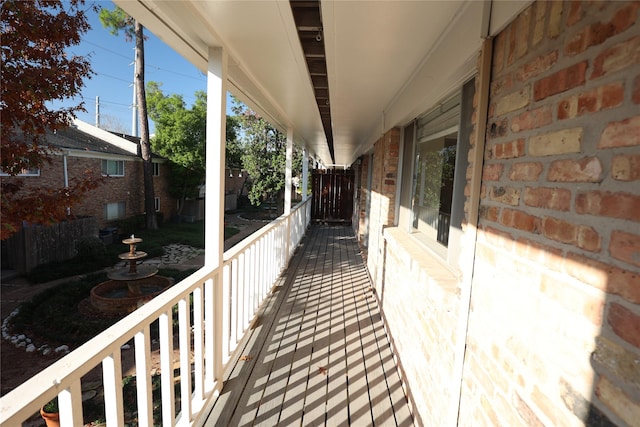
(484, 77)
(66, 176)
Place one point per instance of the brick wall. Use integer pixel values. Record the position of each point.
(128, 189)
(554, 335)
(383, 198)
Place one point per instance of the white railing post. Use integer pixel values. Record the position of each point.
(209, 339)
(70, 405)
(305, 173)
(142, 346)
(184, 327)
(198, 344)
(112, 389)
(287, 171)
(165, 329)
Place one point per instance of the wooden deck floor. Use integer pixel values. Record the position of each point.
(319, 354)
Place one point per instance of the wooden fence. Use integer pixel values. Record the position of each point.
(39, 244)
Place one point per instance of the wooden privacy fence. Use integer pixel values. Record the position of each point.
(332, 195)
(38, 244)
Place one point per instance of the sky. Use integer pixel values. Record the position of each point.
(111, 59)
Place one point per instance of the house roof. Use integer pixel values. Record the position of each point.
(355, 69)
(76, 139)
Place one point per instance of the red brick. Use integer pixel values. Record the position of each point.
(560, 231)
(492, 172)
(520, 220)
(526, 171)
(560, 81)
(617, 57)
(599, 32)
(509, 150)
(532, 119)
(636, 90)
(626, 167)
(501, 85)
(489, 213)
(625, 247)
(538, 66)
(548, 198)
(588, 239)
(624, 323)
(588, 169)
(625, 133)
(575, 13)
(605, 203)
(604, 97)
(605, 277)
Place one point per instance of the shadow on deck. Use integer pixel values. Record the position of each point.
(318, 354)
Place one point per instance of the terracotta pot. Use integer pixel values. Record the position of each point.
(51, 418)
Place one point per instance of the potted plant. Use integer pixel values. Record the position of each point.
(49, 413)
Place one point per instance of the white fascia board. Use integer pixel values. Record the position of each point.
(107, 137)
(71, 152)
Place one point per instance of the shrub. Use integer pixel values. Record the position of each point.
(90, 247)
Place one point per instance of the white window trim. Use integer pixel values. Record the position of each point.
(112, 160)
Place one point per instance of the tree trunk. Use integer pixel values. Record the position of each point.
(145, 144)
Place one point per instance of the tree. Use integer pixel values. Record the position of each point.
(264, 154)
(181, 137)
(117, 20)
(37, 69)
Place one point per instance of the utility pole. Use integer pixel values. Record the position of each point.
(97, 111)
(134, 106)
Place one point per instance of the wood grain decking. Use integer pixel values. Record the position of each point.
(319, 354)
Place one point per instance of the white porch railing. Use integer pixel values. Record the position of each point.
(249, 271)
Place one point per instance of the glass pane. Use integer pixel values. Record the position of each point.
(435, 163)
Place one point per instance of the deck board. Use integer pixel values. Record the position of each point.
(319, 354)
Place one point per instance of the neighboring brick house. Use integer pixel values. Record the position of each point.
(84, 147)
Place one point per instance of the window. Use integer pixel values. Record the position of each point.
(156, 169)
(114, 211)
(156, 203)
(436, 147)
(113, 167)
(24, 172)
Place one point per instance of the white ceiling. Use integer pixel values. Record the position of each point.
(387, 61)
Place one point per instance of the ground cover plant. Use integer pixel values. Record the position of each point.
(54, 314)
(93, 257)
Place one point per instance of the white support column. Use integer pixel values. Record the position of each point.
(287, 172)
(214, 199)
(215, 147)
(305, 173)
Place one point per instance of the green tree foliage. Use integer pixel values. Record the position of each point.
(181, 137)
(264, 154)
(36, 69)
(117, 20)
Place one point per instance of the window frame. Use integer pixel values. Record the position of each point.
(452, 253)
(156, 169)
(24, 172)
(121, 208)
(105, 170)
